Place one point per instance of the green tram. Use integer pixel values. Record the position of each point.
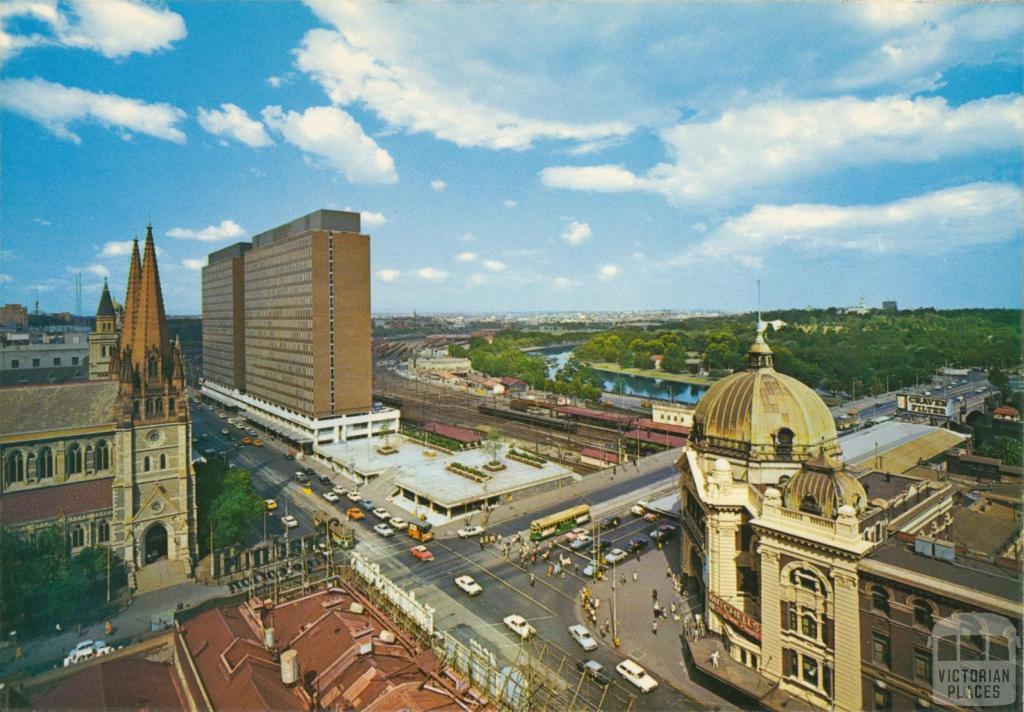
(559, 522)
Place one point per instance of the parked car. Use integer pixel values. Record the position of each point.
(615, 556)
(581, 542)
(330, 496)
(663, 532)
(384, 530)
(381, 513)
(422, 553)
(519, 626)
(85, 650)
(594, 670)
(636, 675)
(467, 532)
(469, 585)
(289, 521)
(270, 504)
(581, 635)
(397, 523)
(354, 513)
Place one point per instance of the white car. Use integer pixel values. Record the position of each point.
(637, 510)
(354, 495)
(381, 513)
(519, 626)
(398, 523)
(467, 532)
(636, 675)
(576, 533)
(582, 636)
(339, 490)
(85, 650)
(615, 556)
(384, 530)
(467, 584)
(330, 496)
(289, 521)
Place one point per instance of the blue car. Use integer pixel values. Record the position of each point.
(366, 504)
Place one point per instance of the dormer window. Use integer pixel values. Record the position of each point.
(810, 505)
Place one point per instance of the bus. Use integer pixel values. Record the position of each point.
(421, 531)
(559, 522)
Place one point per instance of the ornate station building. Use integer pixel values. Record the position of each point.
(820, 585)
(108, 460)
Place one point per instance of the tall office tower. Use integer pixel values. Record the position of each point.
(286, 329)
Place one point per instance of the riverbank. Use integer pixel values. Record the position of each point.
(687, 378)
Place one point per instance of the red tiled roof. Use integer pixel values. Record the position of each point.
(597, 454)
(645, 436)
(577, 412)
(463, 435)
(1006, 410)
(648, 424)
(122, 684)
(49, 502)
(512, 381)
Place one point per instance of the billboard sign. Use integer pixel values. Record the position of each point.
(924, 405)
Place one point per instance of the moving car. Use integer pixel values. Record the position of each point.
(581, 542)
(594, 670)
(467, 584)
(663, 532)
(467, 532)
(651, 517)
(576, 533)
(638, 510)
(381, 513)
(422, 553)
(247, 441)
(339, 490)
(638, 544)
(615, 556)
(581, 635)
(384, 530)
(599, 547)
(398, 523)
(591, 568)
(289, 521)
(325, 480)
(519, 626)
(609, 522)
(354, 495)
(257, 442)
(85, 650)
(366, 504)
(355, 513)
(636, 675)
(270, 504)
(330, 496)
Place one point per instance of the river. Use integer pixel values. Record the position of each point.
(641, 386)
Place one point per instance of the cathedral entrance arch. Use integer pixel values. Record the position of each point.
(155, 543)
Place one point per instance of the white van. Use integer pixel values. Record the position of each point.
(636, 675)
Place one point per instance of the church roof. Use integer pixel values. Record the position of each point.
(32, 505)
(106, 308)
(37, 409)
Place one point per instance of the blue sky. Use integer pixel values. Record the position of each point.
(525, 157)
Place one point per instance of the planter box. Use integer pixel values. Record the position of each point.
(495, 468)
(468, 474)
(387, 450)
(525, 460)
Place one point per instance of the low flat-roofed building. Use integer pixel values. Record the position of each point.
(897, 447)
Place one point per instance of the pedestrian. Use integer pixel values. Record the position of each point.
(654, 627)
(714, 659)
(550, 569)
(635, 576)
(668, 573)
(622, 579)
(58, 628)
(672, 607)
(533, 580)
(654, 594)
(577, 569)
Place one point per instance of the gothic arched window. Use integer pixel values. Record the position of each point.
(77, 536)
(103, 531)
(146, 464)
(73, 460)
(14, 467)
(45, 465)
(102, 455)
(163, 461)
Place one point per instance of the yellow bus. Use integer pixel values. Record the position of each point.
(555, 524)
(420, 530)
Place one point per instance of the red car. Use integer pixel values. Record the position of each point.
(422, 553)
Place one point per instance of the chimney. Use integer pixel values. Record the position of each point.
(289, 667)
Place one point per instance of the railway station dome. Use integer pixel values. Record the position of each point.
(822, 487)
(759, 414)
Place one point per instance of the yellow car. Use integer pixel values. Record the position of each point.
(257, 442)
(270, 504)
(247, 441)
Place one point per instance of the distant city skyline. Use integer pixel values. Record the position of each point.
(610, 158)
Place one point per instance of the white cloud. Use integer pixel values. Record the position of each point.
(388, 275)
(346, 65)
(98, 270)
(5, 278)
(494, 266)
(432, 274)
(40, 221)
(478, 279)
(564, 283)
(438, 184)
(941, 221)
(54, 106)
(233, 122)
(767, 144)
(117, 249)
(368, 217)
(465, 257)
(608, 272)
(336, 139)
(511, 203)
(114, 28)
(227, 230)
(193, 264)
(576, 233)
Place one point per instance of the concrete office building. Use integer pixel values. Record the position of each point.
(286, 330)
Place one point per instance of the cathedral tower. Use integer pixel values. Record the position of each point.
(103, 339)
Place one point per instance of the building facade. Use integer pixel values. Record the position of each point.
(14, 315)
(108, 460)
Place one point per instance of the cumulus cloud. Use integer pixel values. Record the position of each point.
(388, 275)
(346, 65)
(193, 264)
(940, 221)
(465, 257)
(368, 217)
(54, 106)
(40, 221)
(114, 28)
(232, 121)
(117, 249)
(432, 274)
(438, 184)
(98, 270)
(494, 266)
(608, 272)
(336, 140)
(773, 142)
(576, 232)
(511, 203)
(227, 230)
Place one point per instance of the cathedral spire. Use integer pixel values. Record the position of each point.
(145, 323)
(131, 297)
(106, 307)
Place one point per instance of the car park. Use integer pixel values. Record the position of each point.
(615, 556)
(355, 513)
(665, 531)
(85, 650)
(270, 504)
(581, 635)
(594, 670)
(398, 523)
(581, 542)
(469, 585)
(330, 496)
(636, 675)
(467, 532)
(384, 530)
(422, 553)
(289, 521)
(519, 626)
(354, 495)
(381, 513)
